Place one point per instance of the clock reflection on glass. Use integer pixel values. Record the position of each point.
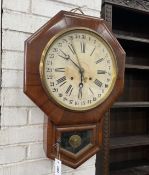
(78, 69)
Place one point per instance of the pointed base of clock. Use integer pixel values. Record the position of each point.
(77, 142)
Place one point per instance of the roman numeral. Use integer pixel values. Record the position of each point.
(98, 83)
(69, 90)
(101, 71)
(59, 69)
(92, 51)
(99, 60)
(72, 49)
(82, 47)
(61, 81)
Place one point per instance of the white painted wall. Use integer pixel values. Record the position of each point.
(21, 132)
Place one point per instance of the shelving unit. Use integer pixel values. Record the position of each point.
(128, 126)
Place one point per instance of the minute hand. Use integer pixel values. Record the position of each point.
(74, 63)
(81, 68)
(67, 57)
(76, 55)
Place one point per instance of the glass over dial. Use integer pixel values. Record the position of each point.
(78, 69)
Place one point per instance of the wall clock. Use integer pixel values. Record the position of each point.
(74, 71)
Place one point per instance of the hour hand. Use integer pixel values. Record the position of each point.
(65, 56)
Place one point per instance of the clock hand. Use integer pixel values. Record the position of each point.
(80, 90)
(76, 54)
(81, 71)
(80, 86)
(67, 57)
(81, 68)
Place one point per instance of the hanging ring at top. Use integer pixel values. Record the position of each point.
(78, 9)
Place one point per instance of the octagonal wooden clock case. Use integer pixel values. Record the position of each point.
(74, 71)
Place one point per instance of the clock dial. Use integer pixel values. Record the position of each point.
(78, 69)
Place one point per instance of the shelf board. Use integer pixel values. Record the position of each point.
(131, 38)
(139, 67)
(131, 104)
(140, 167)
(129, 141)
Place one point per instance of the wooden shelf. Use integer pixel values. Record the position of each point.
(130, 164)
(137, 169)
(131, 104)
(128, 36)
(130, 141)
(139, 67)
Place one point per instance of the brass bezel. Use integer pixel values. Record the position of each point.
(42, 76)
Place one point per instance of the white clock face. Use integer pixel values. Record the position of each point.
(78, 69)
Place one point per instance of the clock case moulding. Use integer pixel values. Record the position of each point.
(60, 119)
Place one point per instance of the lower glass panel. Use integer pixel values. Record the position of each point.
(75, 141)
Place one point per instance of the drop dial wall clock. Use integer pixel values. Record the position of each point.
(74, 71)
